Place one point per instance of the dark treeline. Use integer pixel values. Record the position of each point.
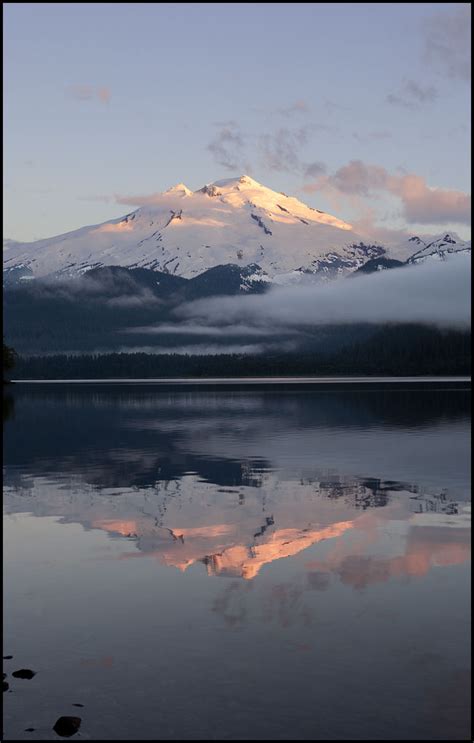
(10, 357)
(393, 350)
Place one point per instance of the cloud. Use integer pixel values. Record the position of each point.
(104, 95)
(372, 136)
(313, 170)
(81, 92)
(144, 200)
(226, 123)
(426, 547)
(280, 151)
(447, 42)
(427, 205)
(412, 95)
(143, 298)
(421, 203)
(367, 226)
(334, 107)
(227, 147)
(110, 287)
(89, 93)
(298, 107)
(354, 178)
(196, 329)
(98, 197)
(432, 293)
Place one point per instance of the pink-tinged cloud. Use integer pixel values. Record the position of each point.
(89, 93)
(81, 92)
(426, 549)
(104, 95)
(421, 203)
(427, 205)
(298, 107)
(358, 178)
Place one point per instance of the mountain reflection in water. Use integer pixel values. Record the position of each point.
(238, 480)
(337, 519)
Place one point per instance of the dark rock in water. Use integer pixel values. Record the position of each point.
(7, 657)
(24, 673)
(5, 686)
(67, 726)
(76, 704)
(29, 730)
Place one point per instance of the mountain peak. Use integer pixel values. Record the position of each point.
(236, 221)
(241, 180)
(179, 189)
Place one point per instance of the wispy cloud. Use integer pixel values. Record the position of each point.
(137, 200)
(447, 42)
(373, 227)
(374, 136)
(412, 95)
(192, 328)
(277, 149)
(280, 151)
(315, 169)
(127, 199)
(334, 107)
(97, 197)
(107, 288)
(227, 123)
(297, 108)
(228, 148)
(142, 298)
(89, 93)
(300, 107)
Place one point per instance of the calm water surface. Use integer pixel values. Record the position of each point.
(264, 563)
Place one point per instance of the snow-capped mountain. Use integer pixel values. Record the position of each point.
(418, 251)
(235, 221)
(438, 248)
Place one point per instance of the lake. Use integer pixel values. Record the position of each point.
(238, 562)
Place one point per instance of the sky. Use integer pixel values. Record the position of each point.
(358, 109)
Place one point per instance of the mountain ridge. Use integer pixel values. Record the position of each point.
(231, 221)
(186, 232)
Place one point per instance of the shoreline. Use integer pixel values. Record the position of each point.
(255, 381)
